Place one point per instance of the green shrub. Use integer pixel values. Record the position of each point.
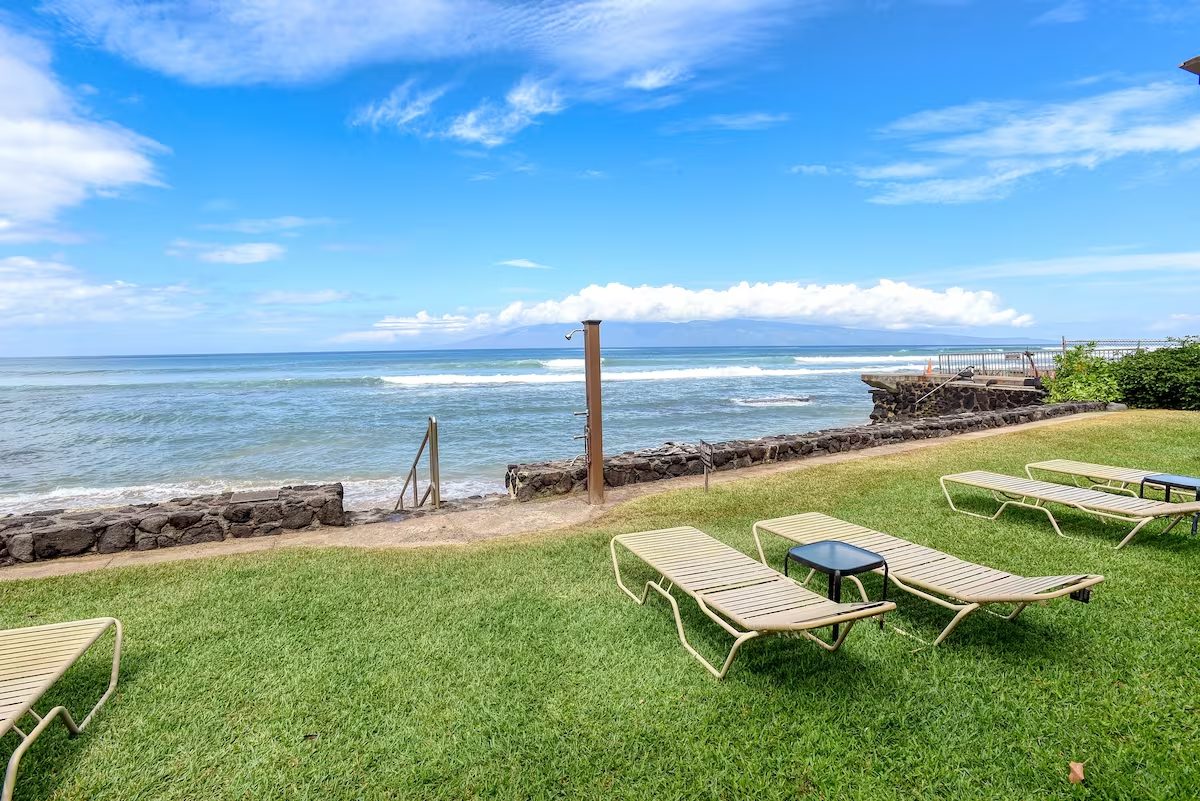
(1167, 378)
(1081, 375)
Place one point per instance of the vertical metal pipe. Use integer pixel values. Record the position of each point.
(435, 468)
(595, 428)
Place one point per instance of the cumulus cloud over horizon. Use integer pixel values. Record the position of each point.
(886, 304)
(36, 292)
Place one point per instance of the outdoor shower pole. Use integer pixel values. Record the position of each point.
(595, 416)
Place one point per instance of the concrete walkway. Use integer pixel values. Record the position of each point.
(487, 523)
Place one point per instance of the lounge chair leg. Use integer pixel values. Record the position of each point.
(737, 643)
(1020, 608)
(962, 614)
(758, 544)
(861, 589)
(836, 644)
(612, 550)
(10, 777)
(950, 500)
(1138, 528)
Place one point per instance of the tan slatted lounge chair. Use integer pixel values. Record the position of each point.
(1033, 494)
(962, 586)
(31, 660)
(1098, 476)
(745, 598)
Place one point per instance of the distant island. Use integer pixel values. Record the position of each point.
(730, 333)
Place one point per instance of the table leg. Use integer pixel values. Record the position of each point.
(835, 595)
(884, 597)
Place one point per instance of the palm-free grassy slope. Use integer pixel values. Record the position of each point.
(518, 670)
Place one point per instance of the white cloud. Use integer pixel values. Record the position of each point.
(811, 169)
(1090, 265)
(379, 336)
(596, 49)
(888, 304)
(392, 328)
(401, 109)
(34, 292)
(1070, 11)
(315, 298)
(257, 41)
(268, 225)
(985, 150)
(492, 124)
(243, 253)
(524, 264)
(749, 121)
(657, 78)
(52, 154)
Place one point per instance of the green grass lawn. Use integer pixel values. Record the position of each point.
(518, 670)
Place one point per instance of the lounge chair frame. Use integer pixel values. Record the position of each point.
(734, 580)
(1096, 476)
(1011, 491)
(31, 661)
(813, 526)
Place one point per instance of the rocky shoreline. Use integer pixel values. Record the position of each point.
(37, 536)
(543, 479)
(44, 535)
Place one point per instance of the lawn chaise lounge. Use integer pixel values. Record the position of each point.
(1033, 494)
(734, 590)
(929, 573)
(1099, 476)
(31, 661)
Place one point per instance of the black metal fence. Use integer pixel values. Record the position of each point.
(1041, 361)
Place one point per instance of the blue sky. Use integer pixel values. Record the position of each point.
(258, 176)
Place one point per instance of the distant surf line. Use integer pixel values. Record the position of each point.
(675, 374)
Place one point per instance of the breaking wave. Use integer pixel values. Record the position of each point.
(781, 400)
(852, 359)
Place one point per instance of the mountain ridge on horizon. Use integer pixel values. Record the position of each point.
(728, 333)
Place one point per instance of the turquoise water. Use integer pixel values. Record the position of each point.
(98, 431)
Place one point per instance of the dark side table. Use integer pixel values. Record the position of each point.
(1168, 482)
(836, 559)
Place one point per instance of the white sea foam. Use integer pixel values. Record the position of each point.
(781, 400)
(852, 359)
(359, 494)
(563, 364)
(678, 374)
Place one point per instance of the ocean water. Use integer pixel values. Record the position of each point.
(80, 432)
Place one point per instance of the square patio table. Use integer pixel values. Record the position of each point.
(1169, 481)
(836, 559)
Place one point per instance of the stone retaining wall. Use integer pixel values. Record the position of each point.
(528, 481)
(183, 521)
(896, 396)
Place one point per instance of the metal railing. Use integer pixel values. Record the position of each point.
(1116, 348)
(1015, 363)
(1032, 363)
(434, 487)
